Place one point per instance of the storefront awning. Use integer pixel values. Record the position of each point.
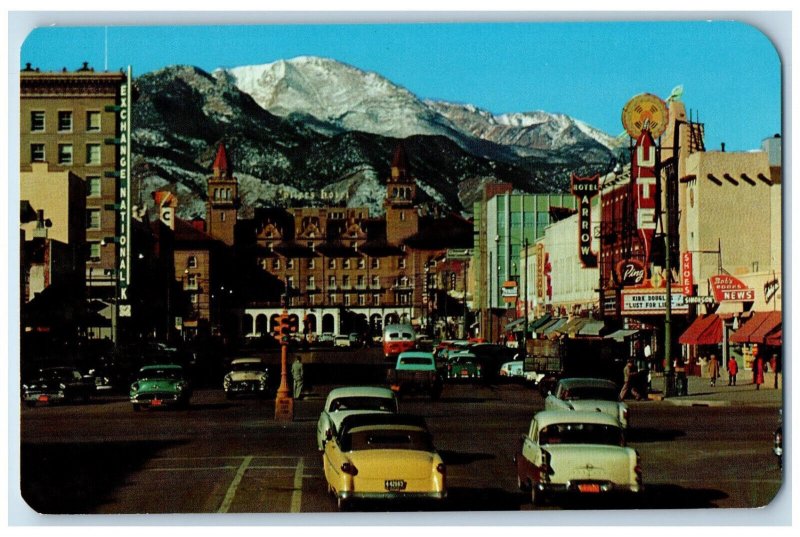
(775, 339)
(703, 331)
(515, 324)
(535, 325)
(553, 326)
(572, 326)
(592, 328)
(753, 332)
(621, 335)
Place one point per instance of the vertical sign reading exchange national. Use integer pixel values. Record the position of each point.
(124, 202)
(585, 188)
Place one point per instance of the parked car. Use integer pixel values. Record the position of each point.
(600, 395)
(511, 370)
(326, 337)
(246, 375)
(415, 372)
(383, 457)
(350, 400)
(342, 341)
(355, 340)
(57, 385)
(160, 385)
(464, 366)
(576, 454)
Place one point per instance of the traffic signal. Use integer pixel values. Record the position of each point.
(285, 327)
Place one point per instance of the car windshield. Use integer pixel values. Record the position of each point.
(582, 433)
(364, 403)
(247, 366)
(161, 373)
(416, 361)
(388, 439)
(602, 393)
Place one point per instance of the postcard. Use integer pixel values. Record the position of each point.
(466, 269)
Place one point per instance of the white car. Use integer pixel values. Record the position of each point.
(578, 454)
(512, 369)
(350, 400)
(599, 395)
(341, 341)
(246, 375)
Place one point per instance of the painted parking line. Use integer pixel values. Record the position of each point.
(297, 493)
(228, 499)
(249, 462)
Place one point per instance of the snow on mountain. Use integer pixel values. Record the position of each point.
(337, 93)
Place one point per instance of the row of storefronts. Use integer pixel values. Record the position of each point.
(709, 222)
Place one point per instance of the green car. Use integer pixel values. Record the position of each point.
(163, 385)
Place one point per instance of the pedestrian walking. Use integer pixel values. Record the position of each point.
(629, 377)
(733, 369)
(297, 377)
(713, 369)
(758, 372)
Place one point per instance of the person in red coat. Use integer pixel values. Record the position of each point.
(733, 369)
(758, 372)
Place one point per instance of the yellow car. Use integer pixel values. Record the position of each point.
(383, 456)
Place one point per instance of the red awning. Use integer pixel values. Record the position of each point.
(759, 325)
(771, 323)
(775, 339)
(703, 331)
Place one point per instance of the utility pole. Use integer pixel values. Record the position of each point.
(524, 351)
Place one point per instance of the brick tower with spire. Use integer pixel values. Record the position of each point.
(223, 199)
(402, 219)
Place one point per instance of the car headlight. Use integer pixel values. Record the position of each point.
(62, 386)
(134, 387)
(24, 386)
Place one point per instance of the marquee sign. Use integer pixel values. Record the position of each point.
(636, 302)
(643, 173)
(728, 288)
(585, 188)
(630, 273)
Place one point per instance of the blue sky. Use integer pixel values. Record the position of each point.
(730, 71)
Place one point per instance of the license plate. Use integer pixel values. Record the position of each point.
(155, 402)
(591, 488)
(43, 398)
(394, 484)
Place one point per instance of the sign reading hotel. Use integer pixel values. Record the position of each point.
(585, 188)
(124, 201)
(727, 288)
(652, 302)
(687, 276)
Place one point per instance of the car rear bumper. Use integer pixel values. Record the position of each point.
(588, 488)
(409, 496)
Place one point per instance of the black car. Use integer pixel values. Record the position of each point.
(57, 385)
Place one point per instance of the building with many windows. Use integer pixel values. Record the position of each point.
(505, 225)
(70, 121)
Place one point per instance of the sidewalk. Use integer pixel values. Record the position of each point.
(702, 394)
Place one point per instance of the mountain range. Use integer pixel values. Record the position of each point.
(311, 131)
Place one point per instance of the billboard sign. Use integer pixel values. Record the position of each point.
(727, 288)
